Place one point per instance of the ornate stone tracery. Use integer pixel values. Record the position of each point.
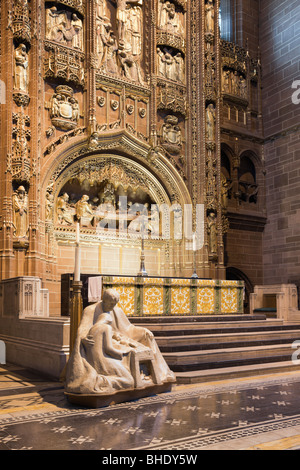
(146, 81)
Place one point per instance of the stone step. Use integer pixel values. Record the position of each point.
(234, 328)
(230, 373)
(191, 326)
(216, 358)
(218, 341)
(157, 319)
(209, 348)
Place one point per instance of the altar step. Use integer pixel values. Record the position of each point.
(202, 350)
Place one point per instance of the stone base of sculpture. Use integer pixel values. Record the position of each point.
(121, 396)
(112, 360)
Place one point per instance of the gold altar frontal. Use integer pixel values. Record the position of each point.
(150, 296)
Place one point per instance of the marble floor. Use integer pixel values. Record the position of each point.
(257, 413)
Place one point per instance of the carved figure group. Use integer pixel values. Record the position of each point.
(234, 83)
(63, 210)
(111, 354)
(83, 209)
(121, 53)
(64, 27)
(169, 19)
(169, 66)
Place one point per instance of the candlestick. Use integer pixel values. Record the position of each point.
(195, 275)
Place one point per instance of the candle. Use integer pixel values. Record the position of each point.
(77, 264)
(194, 242)
(77, 232)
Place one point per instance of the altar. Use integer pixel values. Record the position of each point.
(150, 296)
(164, 296)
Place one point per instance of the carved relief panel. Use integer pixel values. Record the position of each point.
(64, 42)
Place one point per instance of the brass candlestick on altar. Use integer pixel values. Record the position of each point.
(143, 272)
(76, 304)
(195, 275)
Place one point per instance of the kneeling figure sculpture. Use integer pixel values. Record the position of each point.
(114, 360)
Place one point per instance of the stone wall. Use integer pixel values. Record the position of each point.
(279, 39)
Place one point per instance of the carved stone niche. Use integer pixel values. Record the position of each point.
(75, 4)
(64, 108)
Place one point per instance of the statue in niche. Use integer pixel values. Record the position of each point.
(49, 205)
(101, 9)
(226, 81)
(210, 17)
(21, 76)
(108, 198)
(224, 192)
(111, 54)
(63, 210)
(210, 122)
(110, 354)
(106, 42)
(212, 233)
(77, 39)
(171, 136)
(134, 22)
(102, 29)
(242, 87)
(122, 16)
(161, 62)
(180, 73)
(169, 66)
(168, 18)
(20, 214)
(83, 209)
(130, 41)
(235, 83)
(163, 13)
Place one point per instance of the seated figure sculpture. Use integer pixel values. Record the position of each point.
(111, 354)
